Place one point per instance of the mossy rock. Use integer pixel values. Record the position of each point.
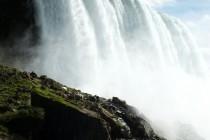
(39, 108)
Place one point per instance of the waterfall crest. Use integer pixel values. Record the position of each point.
(95, 34)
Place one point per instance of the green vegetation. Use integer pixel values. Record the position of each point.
(17, 114)
(34, 108)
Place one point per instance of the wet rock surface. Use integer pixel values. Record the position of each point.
(39, 108)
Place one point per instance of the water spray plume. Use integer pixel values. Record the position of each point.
(125, 48)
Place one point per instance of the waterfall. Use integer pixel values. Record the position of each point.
(123, 48)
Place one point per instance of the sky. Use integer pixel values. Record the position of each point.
(194, 13)
(184, 8)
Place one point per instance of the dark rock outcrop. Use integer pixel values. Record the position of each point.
(39, 108)
(16, 19)
(19, 32)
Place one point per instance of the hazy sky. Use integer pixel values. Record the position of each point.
(185, 8)
(195, 13)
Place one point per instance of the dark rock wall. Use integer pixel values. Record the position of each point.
(19, 32)
(17, 17)
(62, 123)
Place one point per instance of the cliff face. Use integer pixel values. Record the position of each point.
(36, 108)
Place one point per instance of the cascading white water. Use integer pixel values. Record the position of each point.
(125, 48)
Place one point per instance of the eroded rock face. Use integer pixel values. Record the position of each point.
(39, 108)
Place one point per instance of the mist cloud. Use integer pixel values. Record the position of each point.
(201, 29)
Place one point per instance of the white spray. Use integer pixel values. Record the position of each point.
(124, 48)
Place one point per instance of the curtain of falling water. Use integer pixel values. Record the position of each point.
(123, 48)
